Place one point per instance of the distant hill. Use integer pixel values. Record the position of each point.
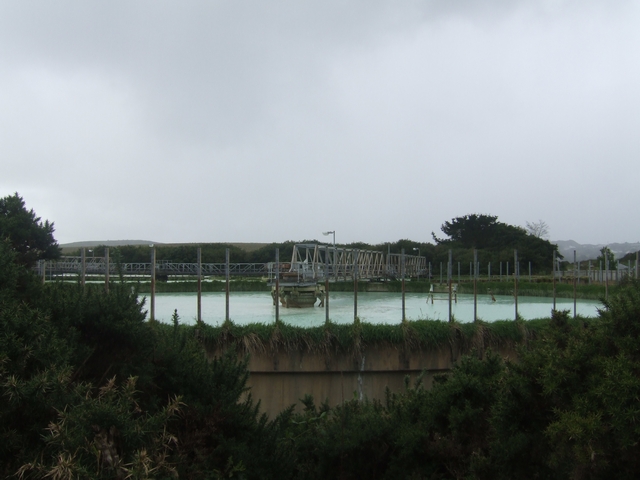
(108, 243)
(70, 248)
(246, 246)
(590, 251)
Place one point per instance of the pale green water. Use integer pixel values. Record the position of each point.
(257, 307)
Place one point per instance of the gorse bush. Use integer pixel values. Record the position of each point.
(419, 433)
(566, 409)
(105, 434)
(88, 389)
(109, 330)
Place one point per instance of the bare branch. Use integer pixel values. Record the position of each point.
(538, 229)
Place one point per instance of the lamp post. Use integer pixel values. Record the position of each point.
(152, 309)
(418, 262)
(331, 232)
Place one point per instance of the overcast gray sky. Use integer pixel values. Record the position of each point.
(236, 121)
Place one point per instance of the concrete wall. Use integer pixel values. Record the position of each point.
(281, 379)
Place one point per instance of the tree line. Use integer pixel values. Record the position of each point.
(494, 242)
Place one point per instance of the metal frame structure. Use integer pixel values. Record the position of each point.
(97, 266)
(413, 265)
(310, 262)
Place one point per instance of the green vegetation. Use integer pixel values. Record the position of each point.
(606, 255)
(235, 285)
(536, 289)
(567, 409)
(629, 258)
(495, 242)
(30, 239)
(88, 389)
(354, 338)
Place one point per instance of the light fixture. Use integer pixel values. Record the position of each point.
(331, 232)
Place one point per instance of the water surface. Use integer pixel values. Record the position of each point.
(373, 307)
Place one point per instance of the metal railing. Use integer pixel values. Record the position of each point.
(98, 266)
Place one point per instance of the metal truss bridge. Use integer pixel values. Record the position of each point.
(98, 266)
(309, 263)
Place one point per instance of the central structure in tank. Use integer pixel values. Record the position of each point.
(302, 281)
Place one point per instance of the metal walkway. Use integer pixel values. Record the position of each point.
(98, 266)
(310, 262)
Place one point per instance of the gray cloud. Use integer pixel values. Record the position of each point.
(249, 121)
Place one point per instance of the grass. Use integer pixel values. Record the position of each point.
(356, 337)
(240, 285)
(536, 289)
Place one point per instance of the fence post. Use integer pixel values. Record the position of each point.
(449, 282)
(326, 284)
(553, 272)
(600, 277)
(226, 290)
(606, 276)
(199, 259)
(355, 285)
(515, 279)
(83, 266)
(475, 286)
(152, 308)
(106, 269)
(575, 283)
(277, 285)
(403, 286)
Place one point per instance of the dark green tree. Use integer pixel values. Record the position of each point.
(494, 240)
(474, 230)
(607, 255)
(30, 238)
(89, 389)
(9, 271)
